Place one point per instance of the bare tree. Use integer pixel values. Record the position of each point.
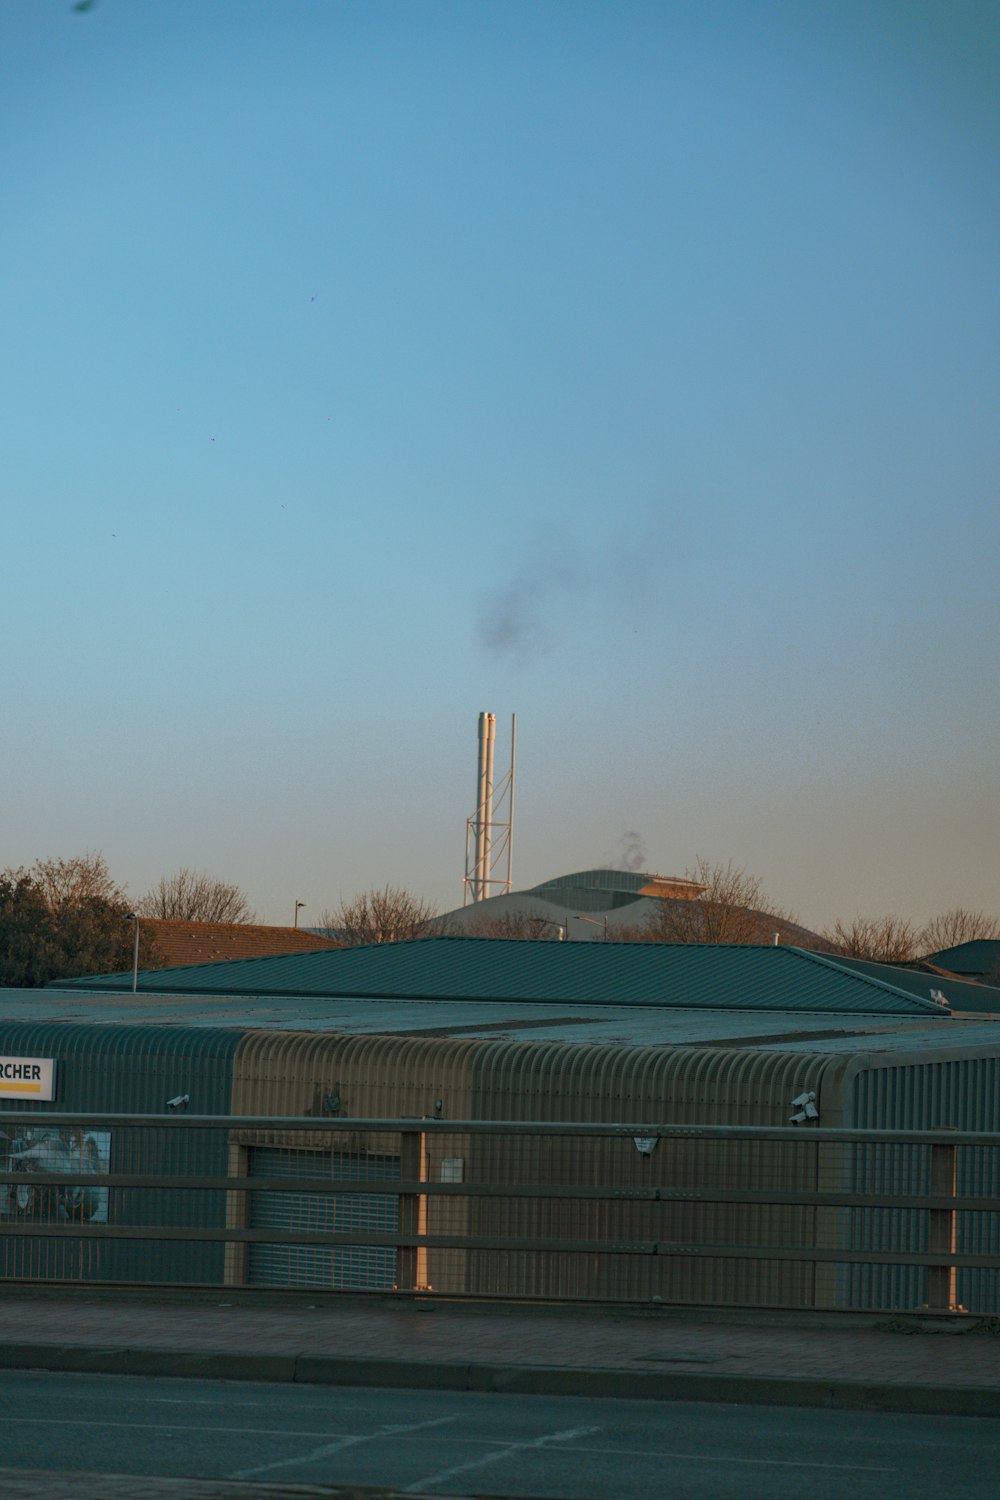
(954, 927)
(732, 908)
(388, 915)
(882, 940)
(190, 897)
(67, 882)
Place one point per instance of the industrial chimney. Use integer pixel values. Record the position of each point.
(484, 807)
(481, 851)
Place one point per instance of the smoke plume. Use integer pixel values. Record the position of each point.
(519, 619)
(630, 853)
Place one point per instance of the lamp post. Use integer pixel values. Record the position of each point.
(133, 916)
(298, 906)
(594, 923)
(561, 927)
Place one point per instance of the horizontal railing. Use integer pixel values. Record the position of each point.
(715, 1214)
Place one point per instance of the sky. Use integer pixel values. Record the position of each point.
(628, 367)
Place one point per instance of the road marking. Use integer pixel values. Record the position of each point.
(170, 1426)
(328, 1449)
(503, 1452)
(350, 1441)
(222, 1399)
(722, 1458)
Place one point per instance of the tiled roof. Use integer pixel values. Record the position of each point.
(215, 942)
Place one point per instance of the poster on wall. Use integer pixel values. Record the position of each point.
(69, 1150)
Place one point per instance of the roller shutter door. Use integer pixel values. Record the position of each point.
(357, 1267)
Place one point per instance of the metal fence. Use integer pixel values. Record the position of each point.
(704, 1215)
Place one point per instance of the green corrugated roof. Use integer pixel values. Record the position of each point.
(726, 977)
(961, 994)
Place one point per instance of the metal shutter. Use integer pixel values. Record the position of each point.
(339, 1267)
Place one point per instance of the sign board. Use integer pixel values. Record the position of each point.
(27, 1078)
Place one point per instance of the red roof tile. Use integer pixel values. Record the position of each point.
(215, 942)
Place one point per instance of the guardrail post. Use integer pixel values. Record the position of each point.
(411, 1261)
(236, 1254)
(941, 1231)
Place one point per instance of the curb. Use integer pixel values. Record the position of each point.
(514, 1380)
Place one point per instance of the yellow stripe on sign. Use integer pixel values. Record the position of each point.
(20, 1088)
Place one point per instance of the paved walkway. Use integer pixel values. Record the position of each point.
(905, 1364)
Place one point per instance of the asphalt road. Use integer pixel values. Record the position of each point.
(440, 1443)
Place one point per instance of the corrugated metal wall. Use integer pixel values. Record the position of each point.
(963, 1093)
(613, 1084)
(133, 1070)
(283, 1073)
(431, 1080)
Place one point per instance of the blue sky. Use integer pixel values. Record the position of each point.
(631, 367)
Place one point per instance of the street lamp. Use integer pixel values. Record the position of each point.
(298, 906)
(133, 916)
(594, 923)
(561, 927)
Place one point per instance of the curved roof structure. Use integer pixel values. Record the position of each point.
(585, 905)
(611, 889)
(978, 957)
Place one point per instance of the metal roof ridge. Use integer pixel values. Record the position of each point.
(72, 981)
(829, 961)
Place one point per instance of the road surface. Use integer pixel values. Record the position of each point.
(441, 1443)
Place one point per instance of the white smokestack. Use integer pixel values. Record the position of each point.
(484, 807)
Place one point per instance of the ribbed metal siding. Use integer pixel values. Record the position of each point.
(133, 1069)
(612, 1084)
(385, 1076)
(336, 1077)
(963, 1093)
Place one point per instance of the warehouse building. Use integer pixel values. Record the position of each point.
(446, 1030)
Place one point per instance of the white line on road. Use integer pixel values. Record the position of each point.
(503, 1452)
(328, 1449)
(165, 1426)
(723, 1458)
(348, 1441)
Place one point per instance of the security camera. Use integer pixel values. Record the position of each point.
(805, 1108)
(179, 1101)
